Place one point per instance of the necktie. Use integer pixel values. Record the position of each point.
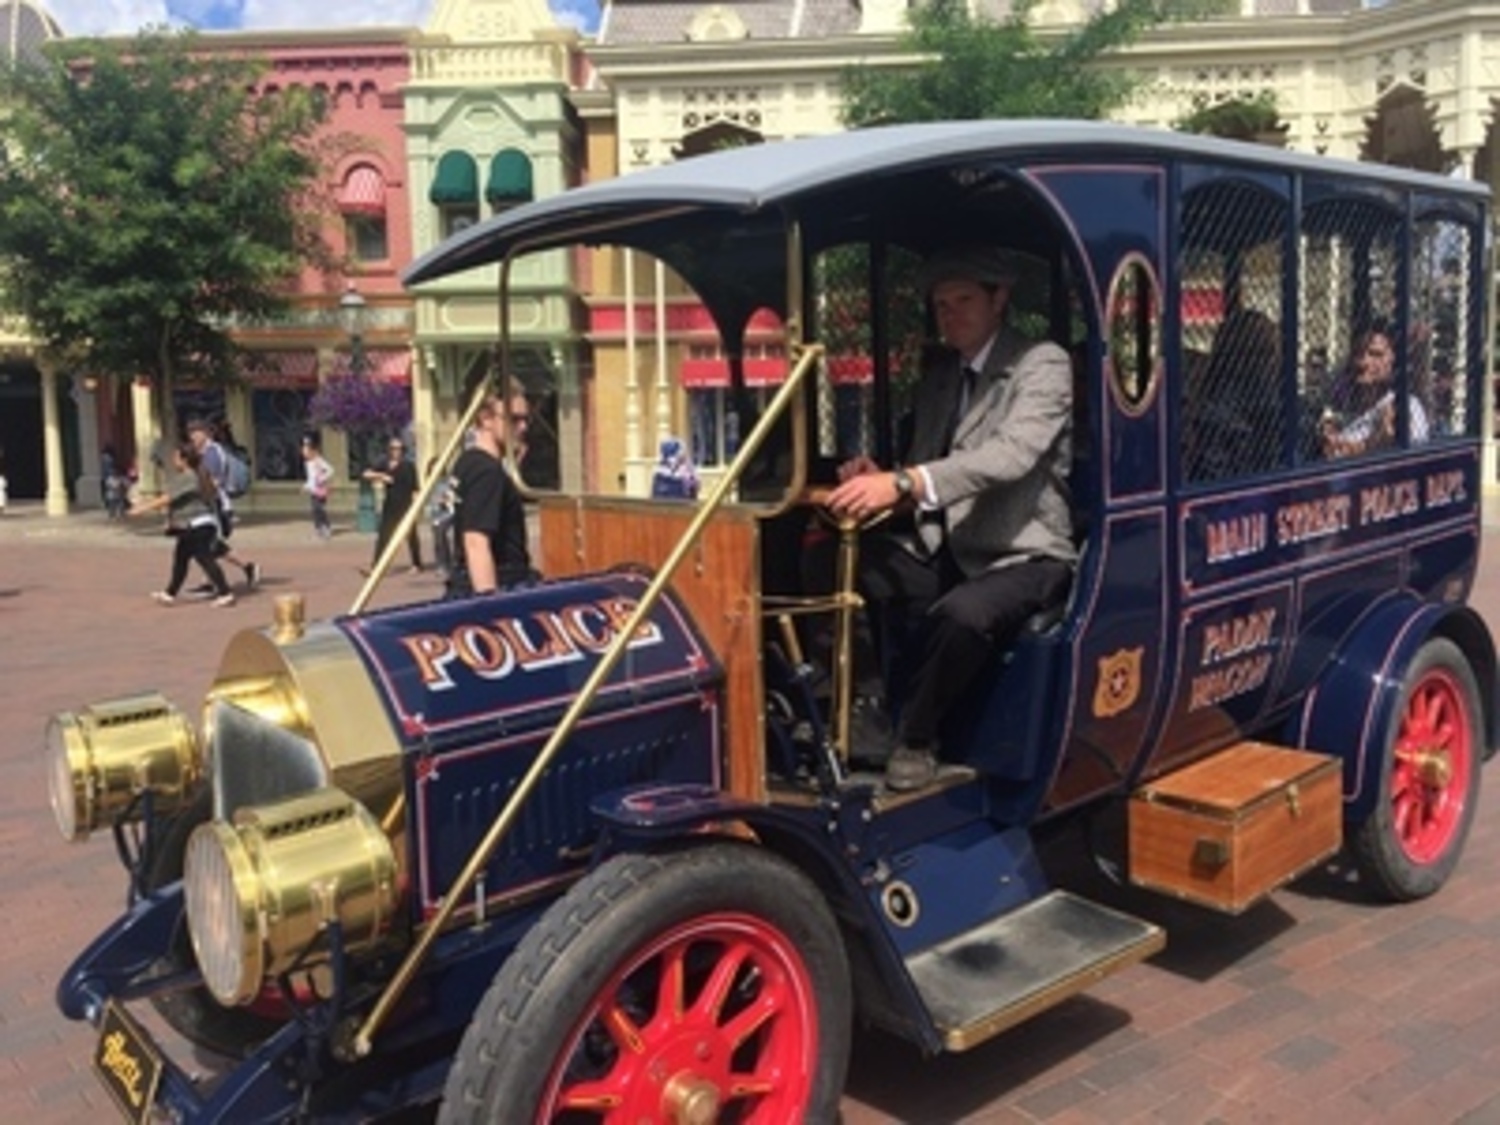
(961, 406)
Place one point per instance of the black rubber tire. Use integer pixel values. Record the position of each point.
(1385, 864)
(536, 1010)
(193, 1013)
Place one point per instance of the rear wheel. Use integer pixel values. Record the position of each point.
(708, 985)
(1429, 787)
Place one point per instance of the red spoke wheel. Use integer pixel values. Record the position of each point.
(706, 985)
(1429, 788)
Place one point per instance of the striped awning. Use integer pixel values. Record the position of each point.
(363, 192)
(457, 180)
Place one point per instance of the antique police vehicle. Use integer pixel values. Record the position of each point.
(608, 847)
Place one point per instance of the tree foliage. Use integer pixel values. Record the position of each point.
(147, 197)
(974, 68)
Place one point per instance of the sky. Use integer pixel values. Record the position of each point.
(124, 17)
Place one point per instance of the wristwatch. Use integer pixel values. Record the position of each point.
(904, 484)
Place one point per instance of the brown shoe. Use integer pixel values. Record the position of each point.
(910, 767)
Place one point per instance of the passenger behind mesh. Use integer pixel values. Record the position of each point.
(1234, 418)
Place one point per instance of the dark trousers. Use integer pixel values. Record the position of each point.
(196, 544)
(388, 525)
(936, 629)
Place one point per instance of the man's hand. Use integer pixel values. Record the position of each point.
(857, 466)
(864, 494)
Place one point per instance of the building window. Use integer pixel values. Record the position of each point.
(510, 181)
(365, 237)
(455, 192)
(362, 202)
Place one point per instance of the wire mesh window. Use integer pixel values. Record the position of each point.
(1444, 307)
(1231, 269)
(847, 291)
(1353, 336)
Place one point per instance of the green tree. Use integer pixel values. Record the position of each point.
(971, 68)
(147, 198)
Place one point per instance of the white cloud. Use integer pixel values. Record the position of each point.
(124, 17)
(106, 17)
(264, 14)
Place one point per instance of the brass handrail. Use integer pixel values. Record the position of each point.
(424, 493)
(787, 396)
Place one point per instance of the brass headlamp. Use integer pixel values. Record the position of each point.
(261, 892)
(102, 758)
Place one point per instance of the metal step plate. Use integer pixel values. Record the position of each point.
(1012, 967)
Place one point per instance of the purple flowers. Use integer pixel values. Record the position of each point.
(358, 404)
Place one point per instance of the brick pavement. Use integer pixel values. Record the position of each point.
(1317, 1006)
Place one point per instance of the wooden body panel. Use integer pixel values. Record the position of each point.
(719, 582)
(1229, 829)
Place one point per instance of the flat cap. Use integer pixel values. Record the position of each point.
(987, 265)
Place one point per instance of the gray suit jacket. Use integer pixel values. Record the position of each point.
(1003, 487)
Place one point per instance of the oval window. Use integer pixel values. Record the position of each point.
(1134, 345)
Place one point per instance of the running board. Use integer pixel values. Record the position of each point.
(1011, 967)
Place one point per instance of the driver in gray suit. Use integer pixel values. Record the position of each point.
(985, 477)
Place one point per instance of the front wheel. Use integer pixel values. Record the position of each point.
(1429, 787)
(707, 985)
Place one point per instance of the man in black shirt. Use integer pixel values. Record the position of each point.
(490, 520)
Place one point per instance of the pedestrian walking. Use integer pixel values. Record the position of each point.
(190, 501)
(399, 478)
(222, 471)
(319, 481)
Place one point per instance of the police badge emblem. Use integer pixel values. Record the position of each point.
(1119, 682)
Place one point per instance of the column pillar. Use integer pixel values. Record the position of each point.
(149, 473)
(88, 488)
(57, 485)
(663, 404)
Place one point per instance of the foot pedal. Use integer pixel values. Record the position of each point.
(1011, 967)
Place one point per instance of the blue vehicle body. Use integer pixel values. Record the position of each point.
(515, 751)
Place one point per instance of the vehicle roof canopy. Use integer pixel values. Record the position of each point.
(719, 219)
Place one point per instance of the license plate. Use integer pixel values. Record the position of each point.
(128, 1063)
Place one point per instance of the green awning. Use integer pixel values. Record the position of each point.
(457, 180)
(510, 178)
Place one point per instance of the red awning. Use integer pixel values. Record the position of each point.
(292, 368)
(707, 374)
(1202, 305)
(363, 192)
(846, 370)
(389, 365)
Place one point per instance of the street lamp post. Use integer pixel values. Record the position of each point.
(352, 310)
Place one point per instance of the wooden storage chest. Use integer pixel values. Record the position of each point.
(1230, 828)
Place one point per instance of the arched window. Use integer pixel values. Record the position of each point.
(455, 192)
(510, 179)
(362, 203)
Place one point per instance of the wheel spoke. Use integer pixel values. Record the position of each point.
(622, 1029)
(673, 984)
(716, 989)
(767, 1007)
(597, 1097)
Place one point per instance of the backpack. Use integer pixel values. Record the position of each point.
(236, 474)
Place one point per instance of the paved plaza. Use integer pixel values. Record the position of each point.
(1318, 1006)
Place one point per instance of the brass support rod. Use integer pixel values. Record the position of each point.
(445, 460)
(785, 397)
